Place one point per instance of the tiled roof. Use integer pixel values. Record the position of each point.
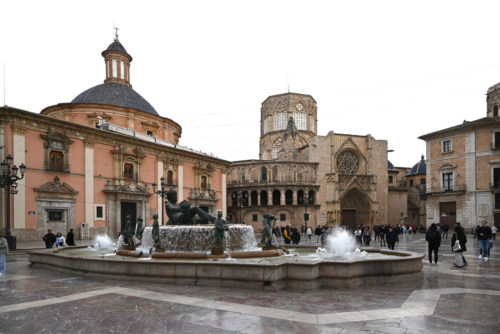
(464, 126)
(117, 46)
(390, 165)
(115, 94)
(420, 168)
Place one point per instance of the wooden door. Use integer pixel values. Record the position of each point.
(448, 214)
(128, 172)
(349, 219)
(56, 160)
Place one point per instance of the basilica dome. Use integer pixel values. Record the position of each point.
(116, 94)
(419, 168)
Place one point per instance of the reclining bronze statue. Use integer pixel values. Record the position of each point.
(183, 213)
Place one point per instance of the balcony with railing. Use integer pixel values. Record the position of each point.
(448, 188)
(57, 166)
(203, 193)
(130, 176)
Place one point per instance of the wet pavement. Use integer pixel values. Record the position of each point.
(447, 300)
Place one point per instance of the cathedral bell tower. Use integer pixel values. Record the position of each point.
(117, 62)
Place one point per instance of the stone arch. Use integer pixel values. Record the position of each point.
(355, 205)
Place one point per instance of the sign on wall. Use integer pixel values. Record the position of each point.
(31, 213)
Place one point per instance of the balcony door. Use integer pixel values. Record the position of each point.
(56, 161)
(128, 171)
(448, 182)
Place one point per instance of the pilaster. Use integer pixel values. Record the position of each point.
(160, 202)
(2, 191)
(180, 192)
(19, 140)
(224, 193)
(89, 183)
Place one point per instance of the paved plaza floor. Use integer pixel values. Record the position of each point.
(446, 301)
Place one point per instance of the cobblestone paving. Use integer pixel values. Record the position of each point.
(446, 301)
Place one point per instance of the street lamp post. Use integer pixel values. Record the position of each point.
(10, 178)
(162, 193)
(241, 197)
(305, 200)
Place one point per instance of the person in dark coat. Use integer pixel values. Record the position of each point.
(50, 239)
(391, 237)
(433, 238)
(462, 240)
(382, 232)
(70, 239)
(295, 237)
(317, 233)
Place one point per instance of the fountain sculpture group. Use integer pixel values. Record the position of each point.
(179, 253)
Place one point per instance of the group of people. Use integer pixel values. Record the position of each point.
(436, 234)
(58, 240)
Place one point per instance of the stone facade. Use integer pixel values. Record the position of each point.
(346, 174)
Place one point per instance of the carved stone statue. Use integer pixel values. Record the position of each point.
(156, 232)
(267, 229)
(183, 213)
(140, 229)
(219, 229)
(129, 232)
(228, 220)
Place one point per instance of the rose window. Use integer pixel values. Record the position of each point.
(348, 163)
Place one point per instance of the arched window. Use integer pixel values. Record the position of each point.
(311, 197)
(276, 197)
(300, 117)
(263, 197)
(495, 111)
(278, 144)
(279, 119)
(243, 174)
(122, 69)
(245, 198)
(234, 198)
(254, 198)
(288, 197)
(264, 174)
(390, 179)
(300, 197)
(204, 182)
(115, 68)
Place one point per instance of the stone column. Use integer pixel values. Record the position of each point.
(19, 200)
(295, 197)
(224, 194)
(258, 197)
(269, 197)
(180, 191)
(89, 183)
(160, 202)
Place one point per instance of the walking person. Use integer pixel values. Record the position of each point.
(4, 250)
(358, 234)
(391, 237)
(433, 238)
(494, 231)
(484, 236)
(376, 230)
(368, 236)
(323, 236)
(70, 238)
(382, 235)
(295, 236)
(462, 240)
(60, 240)
(50, 239)
(317, 233)
(446, 227)
(309, 233)
(288, 235)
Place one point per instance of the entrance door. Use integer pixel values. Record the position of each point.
(496, 218)
(128, 208)
(349, 219)
(448, 214)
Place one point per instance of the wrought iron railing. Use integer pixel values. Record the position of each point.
(130, 176)
(449, 188)
(61, 167)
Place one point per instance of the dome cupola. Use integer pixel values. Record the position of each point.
(117, 62)
(419, 168)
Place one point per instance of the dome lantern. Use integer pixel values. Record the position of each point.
(117, 62)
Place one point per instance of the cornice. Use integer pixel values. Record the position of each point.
(44, 123)
(19, 130)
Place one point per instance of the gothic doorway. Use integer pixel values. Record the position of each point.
(355, 208)
(349, 219)
(130, 209)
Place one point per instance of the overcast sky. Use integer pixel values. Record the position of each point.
(392, 69)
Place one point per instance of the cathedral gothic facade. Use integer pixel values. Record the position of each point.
(344, 176)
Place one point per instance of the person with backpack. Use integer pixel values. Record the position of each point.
(368, 236)
(433, 238)
(392, 237)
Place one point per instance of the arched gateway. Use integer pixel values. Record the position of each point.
(355, 206)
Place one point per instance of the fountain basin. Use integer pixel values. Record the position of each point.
(406, 267)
